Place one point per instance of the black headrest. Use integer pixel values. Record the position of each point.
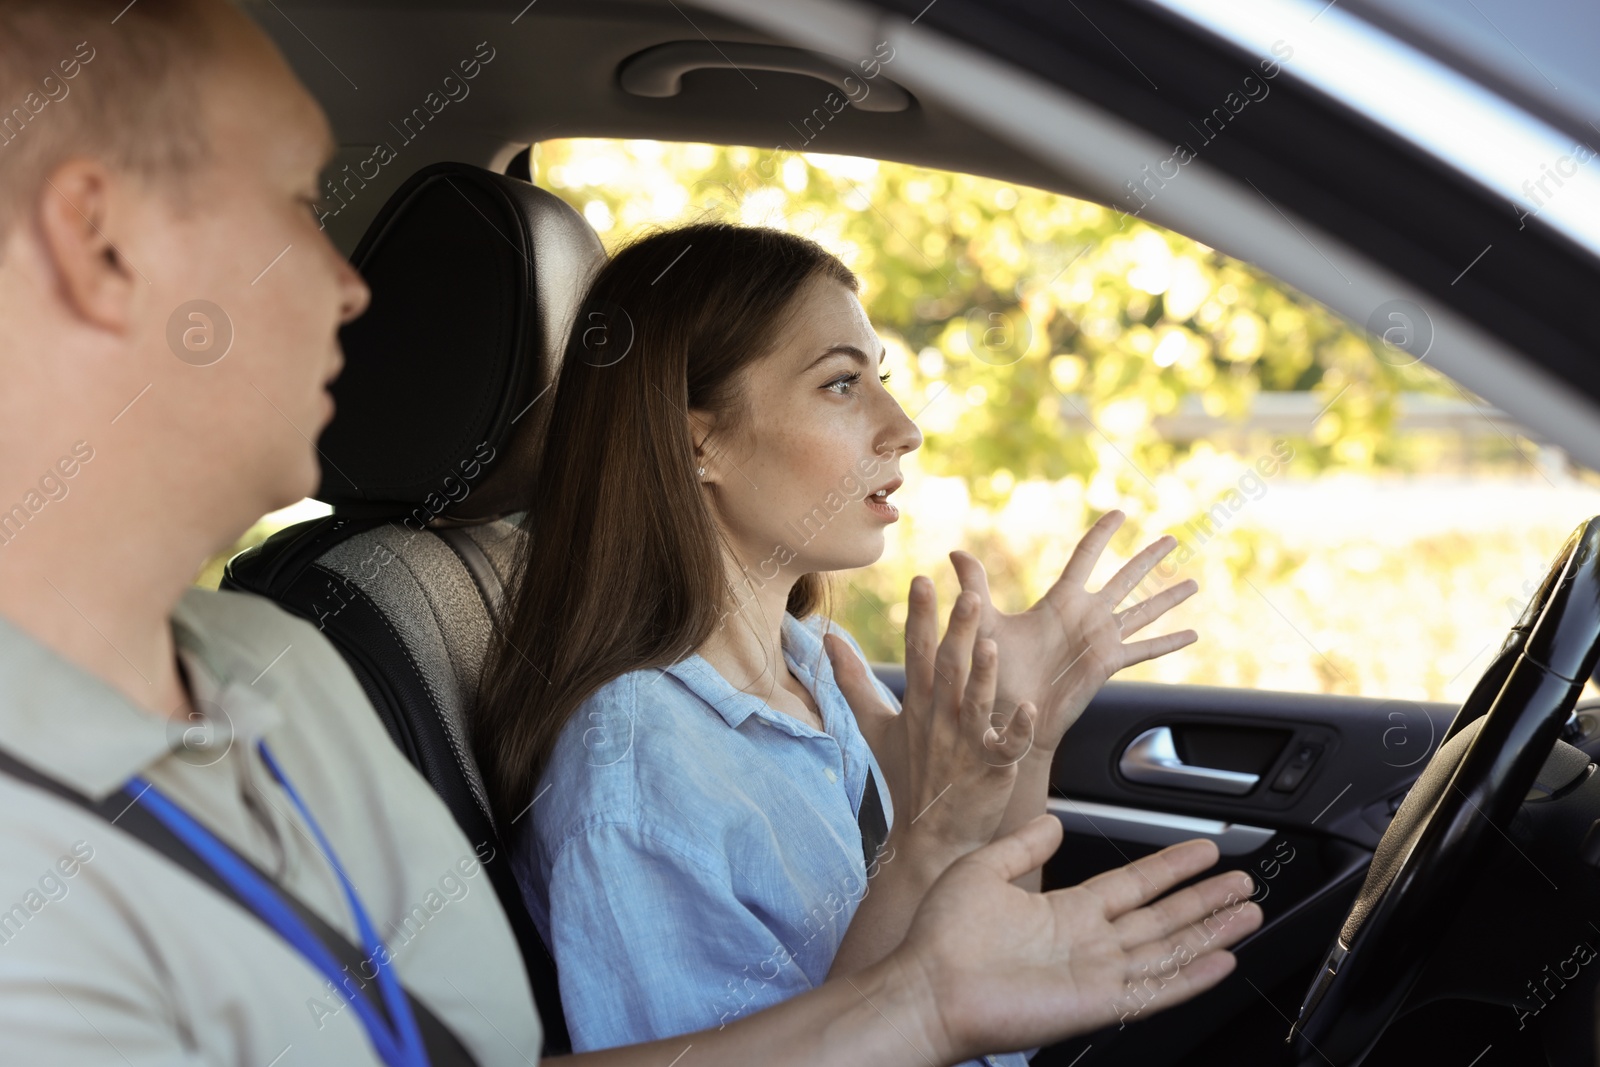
(475, 279)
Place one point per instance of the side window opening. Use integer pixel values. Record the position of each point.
(1358, 522)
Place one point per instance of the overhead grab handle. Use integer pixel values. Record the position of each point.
(659, 71)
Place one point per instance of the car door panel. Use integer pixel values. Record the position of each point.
(1340, 766)
(1329, 772)
(1364, 753)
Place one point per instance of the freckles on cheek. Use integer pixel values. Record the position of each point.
(785, 471)
(818, 458)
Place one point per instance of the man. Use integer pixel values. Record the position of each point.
(168, 318)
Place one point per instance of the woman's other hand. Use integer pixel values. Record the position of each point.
(1059, 652)
(950, 755)
(948, 759)
(1008, 969)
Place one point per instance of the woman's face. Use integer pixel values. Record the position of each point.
(793, 484)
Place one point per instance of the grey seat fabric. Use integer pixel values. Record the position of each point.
(476, 278)
(436, 592)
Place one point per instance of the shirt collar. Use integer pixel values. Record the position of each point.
(806, 657)
(71, 725)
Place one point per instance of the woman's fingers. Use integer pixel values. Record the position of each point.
(977, 701)
(1133, 572)
(1145, 879)
(1010, 734)
(1171, 980)
(851, 675)
(1002, 735)
(1022, 850)
(1157, 969)
(971, 575)
(1148, 611)
(922, 640)
(1175, 911)
(952, 663)
(1217, 928)
(1152, 647)
(1087, 554)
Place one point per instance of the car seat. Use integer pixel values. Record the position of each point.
(475, 279)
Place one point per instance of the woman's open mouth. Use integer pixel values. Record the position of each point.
(878, 502)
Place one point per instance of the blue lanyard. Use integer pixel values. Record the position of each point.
(400, 1046)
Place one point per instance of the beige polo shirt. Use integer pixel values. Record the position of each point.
(110, 954)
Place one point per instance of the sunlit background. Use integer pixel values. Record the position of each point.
(1357, 522)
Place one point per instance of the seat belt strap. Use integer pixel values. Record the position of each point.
(122, 810)
(870, 817)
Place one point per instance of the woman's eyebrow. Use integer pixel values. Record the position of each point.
(848, 350)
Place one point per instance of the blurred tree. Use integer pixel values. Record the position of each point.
(1037, 340)
(1021, 307)
(1034, 338)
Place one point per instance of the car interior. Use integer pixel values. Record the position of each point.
(1426, 871)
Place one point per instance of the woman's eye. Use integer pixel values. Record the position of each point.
(847, 382)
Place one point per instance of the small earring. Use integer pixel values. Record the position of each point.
(701, 472)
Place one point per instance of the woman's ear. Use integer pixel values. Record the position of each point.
(700, 427)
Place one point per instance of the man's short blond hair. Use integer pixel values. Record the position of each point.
(102, 78)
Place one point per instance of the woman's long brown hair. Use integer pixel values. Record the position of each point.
(623, 565)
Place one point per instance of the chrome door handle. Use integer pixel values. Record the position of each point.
(1152, 759)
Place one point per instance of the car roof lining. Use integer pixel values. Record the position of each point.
(554, 75)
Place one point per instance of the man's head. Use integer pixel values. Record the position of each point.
(166, 294)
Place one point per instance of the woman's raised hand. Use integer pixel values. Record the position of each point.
(1059, 652)
(1008, 969)
(950, 756)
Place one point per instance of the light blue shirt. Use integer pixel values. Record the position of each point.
(693, 856)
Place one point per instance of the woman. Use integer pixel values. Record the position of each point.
(679, 766)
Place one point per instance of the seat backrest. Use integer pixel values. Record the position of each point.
(475, 279)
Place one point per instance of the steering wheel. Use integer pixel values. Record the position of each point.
(1468, 793)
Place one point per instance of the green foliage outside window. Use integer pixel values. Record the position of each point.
(1045, 346)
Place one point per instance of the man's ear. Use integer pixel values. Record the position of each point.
(95, 278)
